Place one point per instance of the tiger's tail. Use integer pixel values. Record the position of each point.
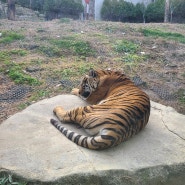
(95, 142)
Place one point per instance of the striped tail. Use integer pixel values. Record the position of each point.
(94, 143)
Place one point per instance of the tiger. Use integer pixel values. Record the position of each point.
(117, 109)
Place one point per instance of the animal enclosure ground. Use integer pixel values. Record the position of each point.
(42, 59)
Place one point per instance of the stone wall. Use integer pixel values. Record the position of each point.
(21, 13)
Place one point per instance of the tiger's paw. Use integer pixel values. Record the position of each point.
(75, 91)
(58, 109)
(59, 112)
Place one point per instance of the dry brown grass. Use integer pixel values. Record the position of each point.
(159, 62)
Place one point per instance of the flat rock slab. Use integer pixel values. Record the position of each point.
(31, 148)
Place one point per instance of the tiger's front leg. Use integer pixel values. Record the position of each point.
(61, 114)
(77, 115)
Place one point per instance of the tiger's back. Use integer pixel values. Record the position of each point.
(118, 110)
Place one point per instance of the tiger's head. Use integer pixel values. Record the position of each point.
(100, 83)
(89, 84)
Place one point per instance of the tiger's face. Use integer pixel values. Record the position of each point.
(89, 84)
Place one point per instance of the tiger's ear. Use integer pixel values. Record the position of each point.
(93, 73)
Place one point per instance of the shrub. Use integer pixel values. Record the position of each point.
(140, 11)
(107, 11)
(177, 10)
(62, 8)
(155, 11)
(121, 10)
(115, 10)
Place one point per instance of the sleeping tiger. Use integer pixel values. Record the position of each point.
(118, 110)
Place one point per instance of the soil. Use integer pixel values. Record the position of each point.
(158, 67)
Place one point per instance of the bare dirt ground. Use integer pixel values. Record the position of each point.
(157, 65)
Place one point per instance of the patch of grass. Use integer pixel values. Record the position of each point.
(99, 36)
(67, 72)
(84, 68)
(4, 56)
(19, 52)
(72, 71)
(39, 94)
(15, 72)
(67, 46)
(110, 29)
(181, 96)
(43, 93)
(77, 47)
(65, 42)
(8, 180)
(10, 36)
(82, 48)
(132, 58)
(41, 30)
(125, 46)
(23, 105)
(168, 35)
(64, 20)
(36, 61)
(50, 51)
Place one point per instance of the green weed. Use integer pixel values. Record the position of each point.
(19, 52)
(73, 46)
(132, 58)
(67, 72)
(65, 43)
(181, 96)
(67, 46)
(16, 73)
(23, 106)
(168, 35)
(39, 94)
(110, 29)
(10, 36)
(84, 68)
(82, 48)
(125, 46)
(43, 93)
(8, 180)
(37, 61)
(64, 20)
(50, 51)
(4, 56)
(41, 30)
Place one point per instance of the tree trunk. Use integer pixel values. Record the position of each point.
(11, 9)
(30, 4)
(171, 16)
(167, 10)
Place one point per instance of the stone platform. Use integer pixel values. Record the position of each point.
(31, 148)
